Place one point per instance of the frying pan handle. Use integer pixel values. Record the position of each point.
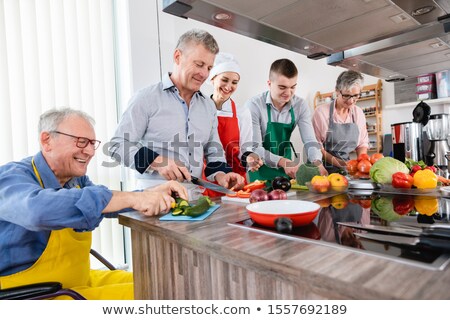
(283, 225)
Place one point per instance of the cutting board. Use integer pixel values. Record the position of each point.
(247, 200)
(170, 217)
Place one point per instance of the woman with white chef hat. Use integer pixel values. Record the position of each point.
(235, 123)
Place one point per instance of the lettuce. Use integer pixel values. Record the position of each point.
(383, 169)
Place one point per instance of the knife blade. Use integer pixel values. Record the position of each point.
(433, 243)
(425, 232)
(211, 186)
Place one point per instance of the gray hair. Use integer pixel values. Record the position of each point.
(198, 37)
(50, 120)
(348, 79)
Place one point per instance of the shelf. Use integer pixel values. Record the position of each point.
(431, 102)
(366, 98)
(372, 132)
(371, 115)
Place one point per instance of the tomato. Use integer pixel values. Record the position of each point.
(366, 203)
(363, 156)
(364, 166)
(432, 168)
(362, 175)
(352, 166)
(403, 205)
(375, 157)
(402, 180)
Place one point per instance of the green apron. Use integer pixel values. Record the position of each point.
(276, 141)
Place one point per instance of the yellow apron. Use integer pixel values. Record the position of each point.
(66, 259)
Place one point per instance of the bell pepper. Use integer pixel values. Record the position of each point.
(257, 184)
(425, 179)
(403, 205)
(402, 180)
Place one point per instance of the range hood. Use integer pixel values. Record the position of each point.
(392, 40)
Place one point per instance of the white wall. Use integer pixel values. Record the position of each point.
(255, 57)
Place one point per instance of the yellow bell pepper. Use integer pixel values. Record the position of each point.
(426, 205)
(425, 179)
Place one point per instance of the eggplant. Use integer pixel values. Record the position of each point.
(281, 183)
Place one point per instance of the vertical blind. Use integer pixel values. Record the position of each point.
(56, 53)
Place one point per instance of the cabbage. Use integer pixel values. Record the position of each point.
(384, 208)
(383, 169)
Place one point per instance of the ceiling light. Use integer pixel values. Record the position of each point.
(221, 16)
(400, 18)
(422, 10)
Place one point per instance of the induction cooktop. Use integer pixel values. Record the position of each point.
(325, 230)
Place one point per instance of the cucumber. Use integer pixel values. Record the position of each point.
(201, 207)
(177, 211)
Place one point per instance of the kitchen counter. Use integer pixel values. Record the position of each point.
(212, 259)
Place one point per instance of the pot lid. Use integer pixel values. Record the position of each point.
(421, 113)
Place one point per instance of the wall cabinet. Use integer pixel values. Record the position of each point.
(371, 103)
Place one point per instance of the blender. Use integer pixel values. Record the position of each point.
(437, 131)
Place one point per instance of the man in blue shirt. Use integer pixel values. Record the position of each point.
(170, 129)
(49, 206)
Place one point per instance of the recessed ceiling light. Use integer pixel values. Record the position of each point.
(222, 16)
(422, 10)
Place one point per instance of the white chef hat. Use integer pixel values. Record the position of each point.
(225, 62)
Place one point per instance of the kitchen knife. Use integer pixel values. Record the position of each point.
(208, 185)
(425, 232)
(211, 186)
(433, 243)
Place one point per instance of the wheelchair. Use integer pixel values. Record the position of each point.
(47, 290)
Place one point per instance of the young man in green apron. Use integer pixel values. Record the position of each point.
(275, 114)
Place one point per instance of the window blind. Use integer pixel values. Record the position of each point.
(56, 53)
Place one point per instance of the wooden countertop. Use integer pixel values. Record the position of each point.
(323, 271)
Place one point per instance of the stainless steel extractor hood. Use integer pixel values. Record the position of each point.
(387, 39)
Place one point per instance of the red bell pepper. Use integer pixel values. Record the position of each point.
(403, 205)
(402, 180)
(254, 185)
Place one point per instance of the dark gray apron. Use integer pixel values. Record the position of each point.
(342, 138)
(351, 213)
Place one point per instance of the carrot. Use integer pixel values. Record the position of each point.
(442, 180)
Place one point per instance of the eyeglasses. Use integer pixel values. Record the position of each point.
(82, 142)
(349, 96)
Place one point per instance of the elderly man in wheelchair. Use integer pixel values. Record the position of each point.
(48, 208)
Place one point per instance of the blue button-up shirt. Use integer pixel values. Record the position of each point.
(158, 122)
(28, 213)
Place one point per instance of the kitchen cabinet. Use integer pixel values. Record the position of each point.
(372, 105)
(216, 259)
